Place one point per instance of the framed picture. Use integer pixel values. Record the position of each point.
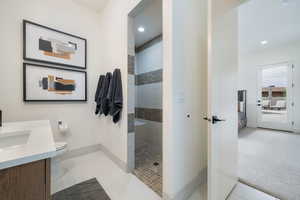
(44, 83)
(47, 45)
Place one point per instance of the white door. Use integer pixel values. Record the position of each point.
(275, 97)
(222, 98)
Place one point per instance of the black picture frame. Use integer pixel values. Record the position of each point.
(51, 67)
(25, 57)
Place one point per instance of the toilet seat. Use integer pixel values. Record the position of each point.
(58, 170)
(60, 146)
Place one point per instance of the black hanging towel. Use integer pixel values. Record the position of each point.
(104, 100)
(115, 96)
(98, 92)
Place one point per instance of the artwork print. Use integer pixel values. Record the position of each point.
(44, 44)
(43, 83)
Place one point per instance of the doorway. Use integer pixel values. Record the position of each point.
(145, 71)
(268, 72)
(257, 155)
(275, 95)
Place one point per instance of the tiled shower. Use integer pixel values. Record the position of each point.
(146, 121)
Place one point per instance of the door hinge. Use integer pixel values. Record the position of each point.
(293, 85)
(293, 66)
(293, 104)
(293, 123)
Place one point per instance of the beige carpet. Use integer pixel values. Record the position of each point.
(270, 161)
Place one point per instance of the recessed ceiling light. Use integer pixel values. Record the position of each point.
(264, 42)
(141, 29)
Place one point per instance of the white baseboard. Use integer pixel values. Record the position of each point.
(115, 159)
(189, 188)
(79, 152)
(251, 124)
(90, 149)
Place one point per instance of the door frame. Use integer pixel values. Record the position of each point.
(290, 99)
(133, 10)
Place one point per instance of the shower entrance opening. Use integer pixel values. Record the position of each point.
(145, 72)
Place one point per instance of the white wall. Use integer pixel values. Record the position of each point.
(85, 128)
(184, 92)
(248, 66)
(114, 52)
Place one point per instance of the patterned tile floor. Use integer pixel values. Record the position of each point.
(146, 170)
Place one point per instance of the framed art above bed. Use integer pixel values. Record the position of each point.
(48, 45)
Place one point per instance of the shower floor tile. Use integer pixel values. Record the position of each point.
(146, 170)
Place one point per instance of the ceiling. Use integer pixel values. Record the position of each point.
(150, 17)
(96, 5)
(276, 21)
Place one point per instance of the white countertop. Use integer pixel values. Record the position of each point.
(25, 142)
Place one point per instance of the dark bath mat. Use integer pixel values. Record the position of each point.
(88, 190)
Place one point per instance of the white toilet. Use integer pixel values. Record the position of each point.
(57, 169)
(61, 148)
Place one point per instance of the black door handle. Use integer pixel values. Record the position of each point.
(207, 119)
(215, 120)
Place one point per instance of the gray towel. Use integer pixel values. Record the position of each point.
(115, 96)
(104, 108)
(98, 92)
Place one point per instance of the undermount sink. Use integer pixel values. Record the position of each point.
(13, 139)
(25, 142)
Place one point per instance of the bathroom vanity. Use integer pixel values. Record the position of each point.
(25, 152)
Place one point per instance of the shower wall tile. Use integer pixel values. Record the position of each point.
(130, 122)
(131, 151)
(131, 94)
(149, 134)
(149, 44)
(131, 64)
(149, 96)
(149, 77)
(149, 59)
(150, 114)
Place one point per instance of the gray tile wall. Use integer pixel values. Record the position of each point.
(150, 114)
(149, 77)
(130, 122)
(130, 64)
(149, 43)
